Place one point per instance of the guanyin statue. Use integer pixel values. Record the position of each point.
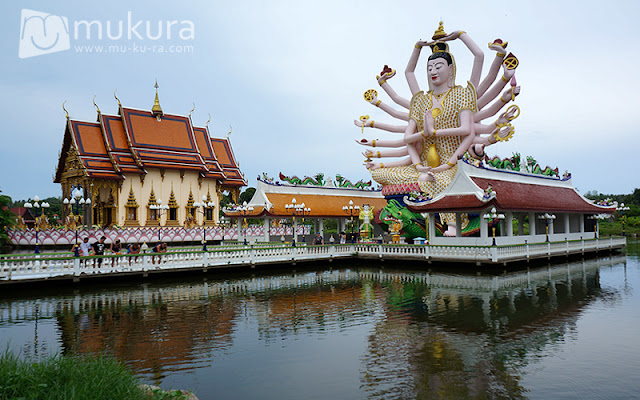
(443, 123)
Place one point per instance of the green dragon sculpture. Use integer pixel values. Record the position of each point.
(345, 183)
(414, 224)
(512, 163)
(294, 180)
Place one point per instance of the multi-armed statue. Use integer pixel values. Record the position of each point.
(443, 123)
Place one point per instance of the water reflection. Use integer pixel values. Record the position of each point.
(428, 335)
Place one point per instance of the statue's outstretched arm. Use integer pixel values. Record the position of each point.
(478, 55)
(385, 153)
(381, 125)
(499, 48)
(388, 109)
(409, 72)
(496, 88)
(382, 81)
(512, 113)
(381, 143)
(507, 96)
(398, 163)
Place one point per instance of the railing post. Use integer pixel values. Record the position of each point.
(494, 254)
(427, 251)
(379, 250)
(252, 256)
(76, 266)
(145, 261)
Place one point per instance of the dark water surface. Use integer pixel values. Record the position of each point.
(566, 331)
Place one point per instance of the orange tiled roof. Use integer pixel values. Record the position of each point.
(325, 202)
(135, 140)
(226, 158)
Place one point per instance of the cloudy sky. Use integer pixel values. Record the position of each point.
(288, 76)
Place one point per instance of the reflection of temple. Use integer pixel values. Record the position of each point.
(433, 334)
(130, 162)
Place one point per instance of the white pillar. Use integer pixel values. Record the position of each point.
(509, 222)
(532, 224)
(432, 226)
(551, 226)
(266, 224)
(484, 226)
(458, 225)
(520, 224)
(239, 226)
(581, 223)
(321, 224)
(567, 224)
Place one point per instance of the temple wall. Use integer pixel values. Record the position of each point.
(162, 189)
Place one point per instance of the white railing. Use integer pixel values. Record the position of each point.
(21, 267)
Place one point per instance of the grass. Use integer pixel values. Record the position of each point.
(71, 378)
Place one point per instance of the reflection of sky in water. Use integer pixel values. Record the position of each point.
(340, 334)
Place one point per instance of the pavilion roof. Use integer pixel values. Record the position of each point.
(512, 191)
(326, 202)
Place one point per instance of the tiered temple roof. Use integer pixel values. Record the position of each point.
(137, 140)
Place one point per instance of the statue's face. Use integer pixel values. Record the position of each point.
(438, 72)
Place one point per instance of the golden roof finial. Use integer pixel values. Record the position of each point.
(194, 107)
(156, 110)
(65, 110)
(229, 133)
(209, 120)
(439, 33)
(114, 95)
(94, 103)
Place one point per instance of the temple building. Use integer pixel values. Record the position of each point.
(145, 168)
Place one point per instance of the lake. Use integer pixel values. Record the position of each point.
(356, 330)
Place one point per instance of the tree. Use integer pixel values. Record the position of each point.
(7, 219)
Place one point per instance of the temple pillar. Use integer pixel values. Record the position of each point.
(321, 226)
(532, 224)
(239, 227)
(458, 225)
(266, 224)
(581, 223)
(432, 226)
(484, 227)
(295, 230)
(509, 223)
(520, 224)
(567, 224)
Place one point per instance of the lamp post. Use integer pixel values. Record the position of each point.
(297, 209)
(205, 208)
(351, 210)
(493, 216)
(622, 209)
(244, 211)
(160, 211)
(547, 218)
(75, 200)
(223, 222)
(37, 205)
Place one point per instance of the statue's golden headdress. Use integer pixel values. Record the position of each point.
(442, 47)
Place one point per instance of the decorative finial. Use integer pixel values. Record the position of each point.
(229, 133)
(209, 120)
(94, 103)
(194, 107)
(114, 95)
(65, 110)
(156, 110)
(439, 33)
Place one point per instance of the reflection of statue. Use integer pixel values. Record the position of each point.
(366, 215)
(443, 122)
